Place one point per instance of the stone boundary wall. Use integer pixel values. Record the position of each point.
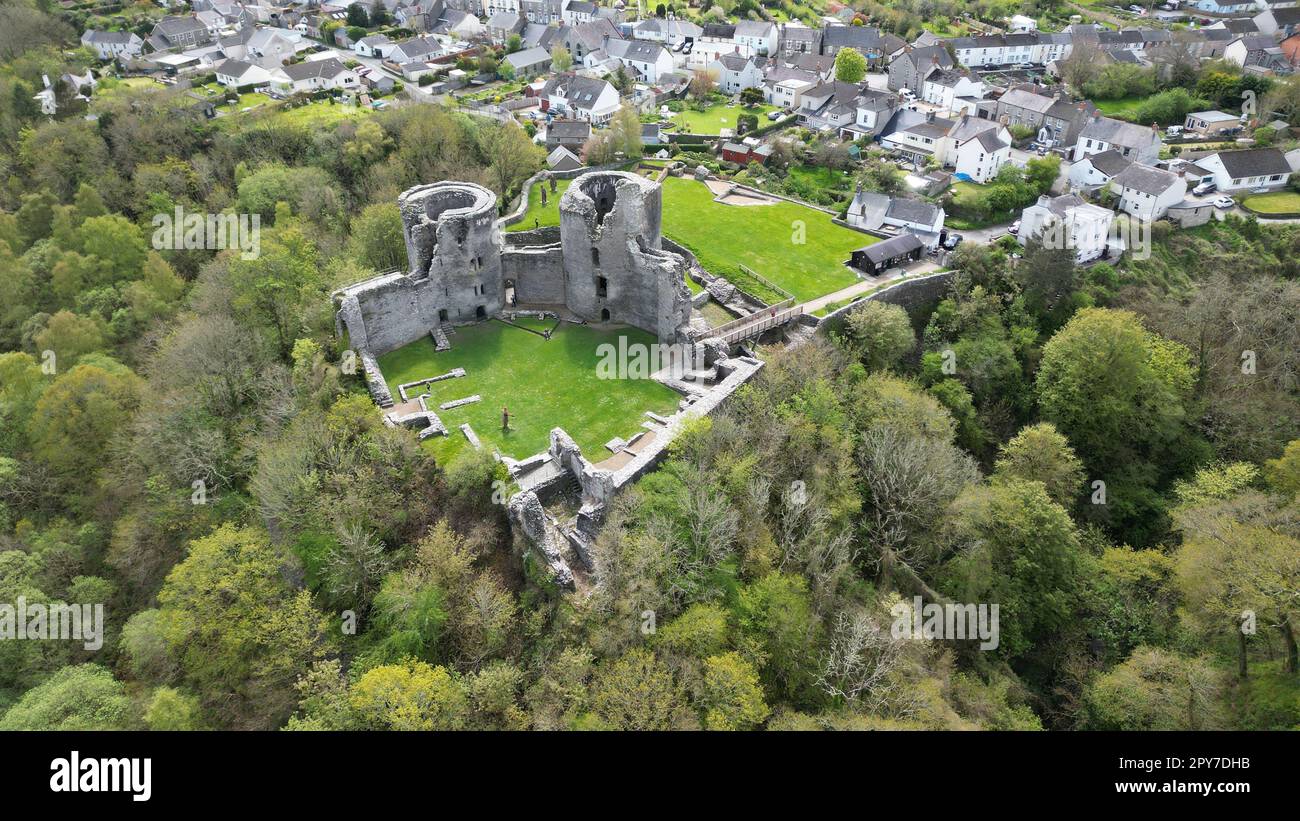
(912, 295)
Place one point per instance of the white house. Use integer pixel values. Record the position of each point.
(870, 211)
(735, 73)
(580, 98)
(1067, 222)
(1138, 143)
(647, 60)
(314, 75)
(237, 74)
(1148, 192)
(670, 32)
(707, 50)
(579, 11)
(376, 45)
(953, 90)
(976, 148)
(1096, 170)
(110, 45)
(761, 36)
(1247, 170)
(1019, 23)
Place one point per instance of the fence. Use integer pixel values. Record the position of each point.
(757, 323)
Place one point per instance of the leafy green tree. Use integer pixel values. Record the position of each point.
(850, 66)
(733, 698)
(1018, 548)
(1039, 453)
(377, 239)
(235, 628)
(170, 709)
(778, 631)
(85, 697)
(1283, 473)
(638, 692)
(410, 696)
(881, 335)
(1158, 690)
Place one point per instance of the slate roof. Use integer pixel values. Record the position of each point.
(1146, 179)
(1254, 162)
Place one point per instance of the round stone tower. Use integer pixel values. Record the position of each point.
(452, 241)
(613, 258)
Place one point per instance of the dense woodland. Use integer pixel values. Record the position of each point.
(853, 474)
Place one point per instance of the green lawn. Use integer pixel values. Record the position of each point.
(1278, 202)
(717, 117)
(1123, 107)
(762, 237)
(537, 215)
(323, 113)
(545, 383)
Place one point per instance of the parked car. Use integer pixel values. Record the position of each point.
(774, 115)
(1174, 131)
(1205, 188)
(907, 94)
(952, 241)
(1015, 228)
(1224, 202)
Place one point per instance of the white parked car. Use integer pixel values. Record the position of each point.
(1224, 202)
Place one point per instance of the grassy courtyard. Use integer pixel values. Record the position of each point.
(545, 383)
(540, 216)
(717, 117)
(762, 237)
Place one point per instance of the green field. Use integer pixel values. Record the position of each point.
(762, 237)
(717, 117)
(1278, 202)
(545, 383)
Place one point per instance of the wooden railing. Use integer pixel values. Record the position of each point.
(756, 323)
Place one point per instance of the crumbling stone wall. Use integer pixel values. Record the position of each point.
(613, 255)
(537, 274)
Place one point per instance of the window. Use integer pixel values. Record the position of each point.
(602, 287)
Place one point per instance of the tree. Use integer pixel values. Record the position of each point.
(1016, 547)
(358, 16)
(410, 696)
(1039, 453)
(1120, 394)
(850, 66)
(703, 84)
(85, 697)
(881, 334)
(638, 692)
(561, 59)
(236, 629)
(70, 337)
(1158, 690)
(377, 240)
(733, 698)
(1283, 473)
(751, 97)
(78, 416)
(170, 709)
(777, 629)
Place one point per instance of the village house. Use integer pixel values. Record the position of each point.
(1247, 170)
(1097, 170)
(313, 75)
(871, 211)
(111, 45)
(234, 74)
(1147, 192)
(1139, 143)
(1052, 114)
(886, 254)
(909, 69)
(582, 98)
(1067, 222)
